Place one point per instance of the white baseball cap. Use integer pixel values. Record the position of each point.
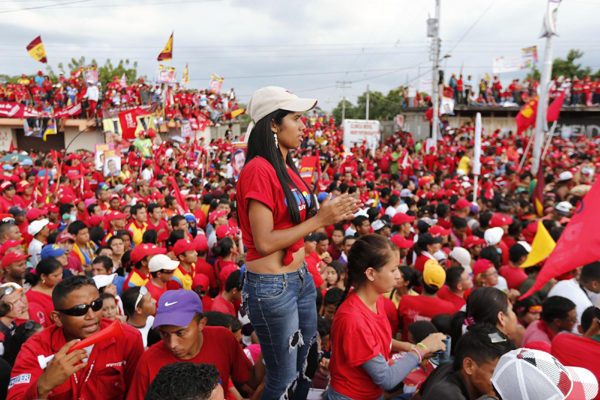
(160, 262)
(103, 280)
(463, 257)
(36, 226)
(272, 98)
(493, 236)
(565, 176)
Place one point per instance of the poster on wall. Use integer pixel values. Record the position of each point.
(112, 164)
(99, 150)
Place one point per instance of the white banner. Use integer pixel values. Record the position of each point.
(412, 91)
(426, 85)
(506, 64)
(357, 131)
(477, 149)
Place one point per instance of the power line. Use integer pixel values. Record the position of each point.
(40, 7)
(472, 26)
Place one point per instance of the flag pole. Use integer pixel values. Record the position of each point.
(533, 135)
(477, 154)
(550, 135)
(548, 31)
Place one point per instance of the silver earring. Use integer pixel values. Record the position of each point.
(372, 279)
(276, 142)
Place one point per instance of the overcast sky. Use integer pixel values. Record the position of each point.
(305, 46)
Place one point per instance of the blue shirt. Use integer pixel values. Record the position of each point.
(39, 80)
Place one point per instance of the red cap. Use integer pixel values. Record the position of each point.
(224, 231)
(499, 220)
(66, 199)
(22, 185)
(64, 236)
(482, 265)
(8, 244)
(401, 242)
(116, 215)
(73, 176)
(183, 245)
(4, 185)
(401, 218)
(201, 280)
(216, 215)
(472, 241)
(53, 208)
(128, 190)
(438, 231)
(145, 249)
(13, 257)
(35, 213)
(462, 203)
(95, 221)
(201, 243)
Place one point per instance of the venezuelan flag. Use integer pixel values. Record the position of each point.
(51, 130)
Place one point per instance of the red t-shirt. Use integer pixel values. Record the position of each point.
(420, 262)
(202, 267)
(421, 308)
(45, 304)
(220, 304)
(392, 313)
(445, 294)
(514, 276)
(155, 291)
(313, 263)
(162, 225)
(219, 348)
(258, 181)
(357, 336)
(576, 351)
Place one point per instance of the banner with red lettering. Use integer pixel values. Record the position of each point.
(9, 109)
(70, 111)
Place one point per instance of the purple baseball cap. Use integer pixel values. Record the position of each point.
(177, 307)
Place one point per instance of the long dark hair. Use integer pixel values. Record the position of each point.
(262, 144)
(483, 306)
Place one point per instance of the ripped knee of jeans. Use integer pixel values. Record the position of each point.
(296, 340)
(289, 391)
(311, 363)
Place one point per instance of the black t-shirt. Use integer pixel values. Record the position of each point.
(444, 383)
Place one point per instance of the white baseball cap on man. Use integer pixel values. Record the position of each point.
(272, 98)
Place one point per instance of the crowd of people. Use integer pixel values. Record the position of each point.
(385, 278)
(491, 92)
(175, 102)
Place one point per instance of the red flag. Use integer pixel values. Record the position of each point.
(12, 146)
(44, 188)
(579, 243)
(129, 122)
(538, 191)
(526, 117)
(167, 52)
(554, 108)
(182, 205)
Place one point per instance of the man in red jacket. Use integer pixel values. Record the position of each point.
(110, 364)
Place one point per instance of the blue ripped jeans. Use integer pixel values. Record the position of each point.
(282, 309)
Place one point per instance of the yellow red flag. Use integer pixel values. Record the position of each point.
(542, 246)
(36, 50)
(167, 52)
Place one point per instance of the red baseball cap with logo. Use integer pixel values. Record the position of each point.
(224, 231)
(472, 241)
(216, 215)
(201, 243)
(12, 258)
(499, 220)
(183, 245)
(146, 249)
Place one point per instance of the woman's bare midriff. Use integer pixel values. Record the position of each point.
(273, 263)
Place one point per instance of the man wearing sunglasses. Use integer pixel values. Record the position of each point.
(109, 365)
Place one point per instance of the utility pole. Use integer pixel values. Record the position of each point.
(343, 85)
(367, 103)
(433, 31)
(541, 127)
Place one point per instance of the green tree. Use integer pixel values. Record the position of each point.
(351, 112)
(566, 67)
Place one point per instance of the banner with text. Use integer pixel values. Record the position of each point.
(358, 132)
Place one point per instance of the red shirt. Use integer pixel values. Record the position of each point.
(445, 294)
(392, 313)
(45, 304)
(220, 304)
(313, 263)
(357, 336)
(154, 290)
(514, 276)
(162, 225)
(111, 366)
(420, 262)
(421, 308)
(219, 348)
(576, 351)
(202, 267)
(258, 181)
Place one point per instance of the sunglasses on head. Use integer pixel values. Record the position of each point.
(9, 290)
(82, 309)
(143, 291)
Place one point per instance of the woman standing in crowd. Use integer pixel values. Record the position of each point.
(275, 207)
(47, 275)
(361, 336)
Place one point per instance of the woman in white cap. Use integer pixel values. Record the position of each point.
(275, 207)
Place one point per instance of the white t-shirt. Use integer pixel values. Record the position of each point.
(35, 251)
(92, 93)
(571, 290)
(144, 331)
(391, 211)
